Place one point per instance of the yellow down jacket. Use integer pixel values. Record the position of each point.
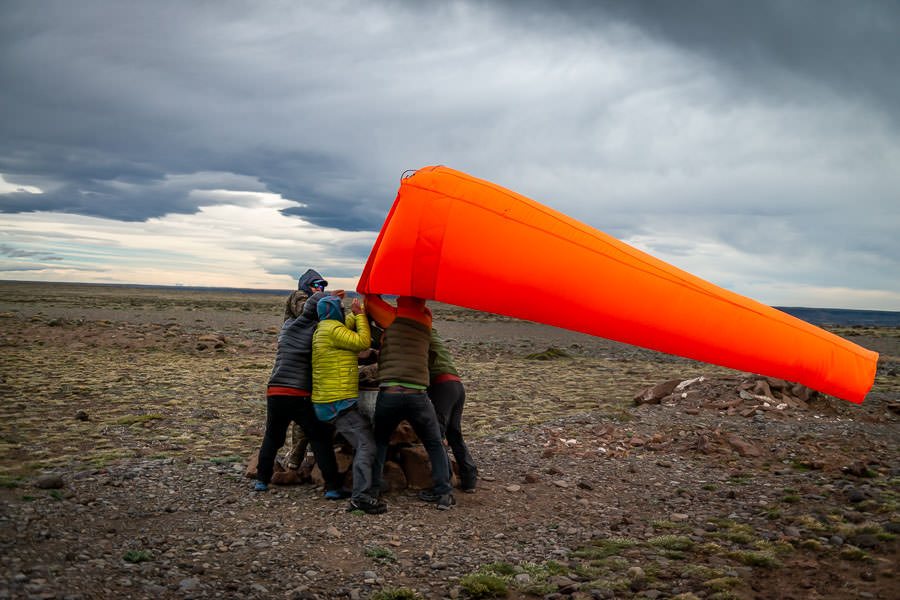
(335, 348)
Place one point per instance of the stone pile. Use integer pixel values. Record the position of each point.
(745, 396)
(407, 465)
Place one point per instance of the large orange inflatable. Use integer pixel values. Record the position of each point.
(456, 239)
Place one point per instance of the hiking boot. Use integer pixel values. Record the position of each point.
(337, 494)
(260, 487)
(468, 486)
(429, 495)
(446, 502)
(370, 508)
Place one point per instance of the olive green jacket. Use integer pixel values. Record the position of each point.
(439, 360)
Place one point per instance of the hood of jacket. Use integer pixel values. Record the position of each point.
(330, 307)
(304, 284)
(293, 307)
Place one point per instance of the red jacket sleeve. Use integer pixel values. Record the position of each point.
(381, 311)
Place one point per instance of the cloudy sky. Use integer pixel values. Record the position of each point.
(756, 145)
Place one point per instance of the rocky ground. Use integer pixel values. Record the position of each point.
(128, 417)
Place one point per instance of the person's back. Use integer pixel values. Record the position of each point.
(337, 342)
(293, 358)
(403, 378)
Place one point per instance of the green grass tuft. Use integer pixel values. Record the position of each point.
(603, 548)
(136, 556)
(484, 586)
(499, 568)
(721, 584)
(381, 553)
(853, 553)
(672, 542)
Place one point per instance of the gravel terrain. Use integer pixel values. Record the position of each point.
(124, 445)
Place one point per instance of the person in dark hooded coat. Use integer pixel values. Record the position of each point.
(289, 391)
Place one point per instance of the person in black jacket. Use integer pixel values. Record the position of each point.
(288, 396)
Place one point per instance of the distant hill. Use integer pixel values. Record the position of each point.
(843, 316)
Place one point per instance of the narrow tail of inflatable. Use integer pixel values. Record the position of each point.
(456, 239)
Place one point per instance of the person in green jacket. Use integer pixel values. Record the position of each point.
(448, 396)
(335, 394)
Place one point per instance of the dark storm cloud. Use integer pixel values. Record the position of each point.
(765, 46)
(641, 118)
(107, 99)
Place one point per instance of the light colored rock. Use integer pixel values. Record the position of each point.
(743, 447)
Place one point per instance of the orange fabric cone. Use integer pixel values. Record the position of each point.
(453, 238)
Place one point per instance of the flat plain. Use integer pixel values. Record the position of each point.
(138, 409)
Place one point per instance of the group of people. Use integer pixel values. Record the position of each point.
(315, 384)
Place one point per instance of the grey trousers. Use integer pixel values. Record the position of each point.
(358, 431)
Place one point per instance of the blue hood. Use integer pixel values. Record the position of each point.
(330, 307)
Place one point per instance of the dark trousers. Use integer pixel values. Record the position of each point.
(449, 398)
(280, 411)
(415, 408)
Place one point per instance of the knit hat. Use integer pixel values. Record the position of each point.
(330, 307)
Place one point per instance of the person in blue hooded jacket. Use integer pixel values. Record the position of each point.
(336, 346)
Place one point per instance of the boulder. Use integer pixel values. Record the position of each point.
(394, 477)
(654, 394)
(404, 434)
(252, 466)
(304, 471)
(344, 458)
(49, 481)
(416, 466)
(761, 388)
(289, 477)
(252, 470)
(803, 393)
(743, 447)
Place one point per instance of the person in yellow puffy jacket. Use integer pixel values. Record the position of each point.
(335, 394)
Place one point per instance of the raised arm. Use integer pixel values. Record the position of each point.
(381, 311)
(346, 338)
